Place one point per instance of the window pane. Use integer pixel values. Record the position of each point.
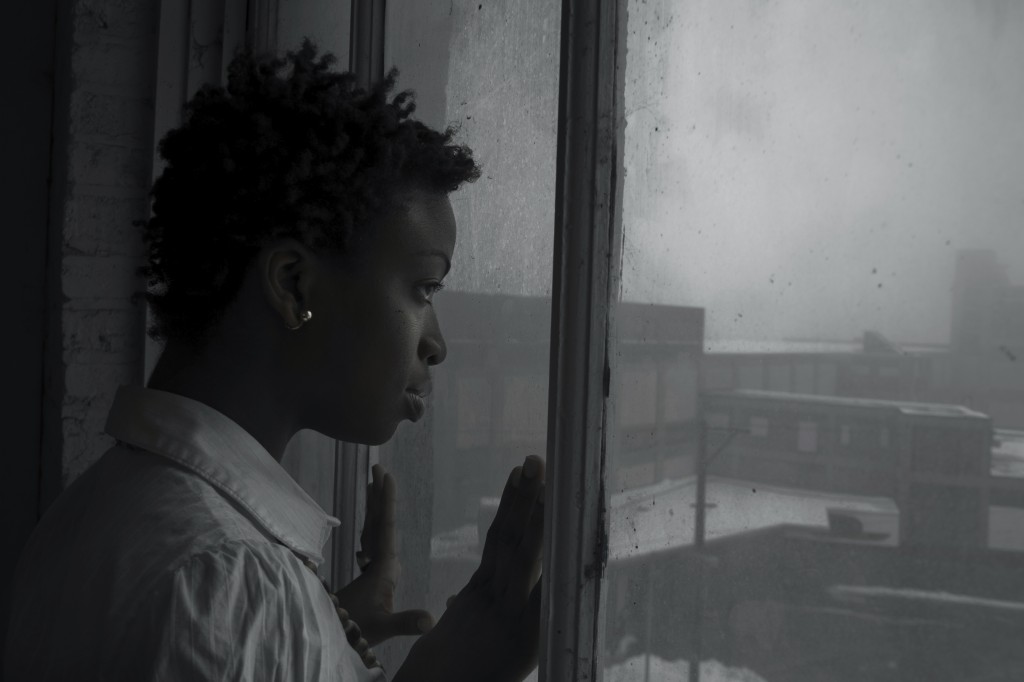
(492, 70)
(827, 196)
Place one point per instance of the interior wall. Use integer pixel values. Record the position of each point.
(75, 169)
(102, 168)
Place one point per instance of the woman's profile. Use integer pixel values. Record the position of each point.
(299, 232)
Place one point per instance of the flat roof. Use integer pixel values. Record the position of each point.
(661, 517)
(810, 347)
(903, 407)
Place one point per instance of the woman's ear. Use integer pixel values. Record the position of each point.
(286, 271)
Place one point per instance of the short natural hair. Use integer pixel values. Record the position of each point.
(289, 148)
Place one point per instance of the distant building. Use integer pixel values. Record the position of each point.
(854, 513)
(935, 461)
(988, 313)
(492, 390)
(802, 603)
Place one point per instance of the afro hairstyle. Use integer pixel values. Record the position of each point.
(288, 149)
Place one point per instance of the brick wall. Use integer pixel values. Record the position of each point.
(103, 142)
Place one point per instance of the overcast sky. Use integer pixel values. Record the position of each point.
(809, 169)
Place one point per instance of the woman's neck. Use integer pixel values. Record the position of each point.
(231, 381)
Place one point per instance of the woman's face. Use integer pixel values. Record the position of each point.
(367, 350)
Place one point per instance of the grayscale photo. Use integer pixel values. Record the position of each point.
(514, 340)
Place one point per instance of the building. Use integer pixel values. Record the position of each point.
(804, 603)
(933, 460)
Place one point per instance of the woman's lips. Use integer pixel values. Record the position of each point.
(417, 405)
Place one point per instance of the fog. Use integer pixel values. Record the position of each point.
(809, 170)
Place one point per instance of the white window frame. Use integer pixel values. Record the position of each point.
(587, 272)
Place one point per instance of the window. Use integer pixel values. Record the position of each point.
(883, 437)
(492, 71)
(717, 420)
(794, 189)
(816, 175)
(759, 426)
(807, 436)
(680, 392)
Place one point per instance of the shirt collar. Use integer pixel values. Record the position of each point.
(210, 444)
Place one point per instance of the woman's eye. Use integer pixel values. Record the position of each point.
(428, 289)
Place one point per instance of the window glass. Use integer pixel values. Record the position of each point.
(492, 71)
(310, 457)
(759, 426)
(834, 191)
(807, 436)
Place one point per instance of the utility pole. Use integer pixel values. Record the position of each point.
(699, 533)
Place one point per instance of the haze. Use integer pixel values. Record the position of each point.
(809, 169)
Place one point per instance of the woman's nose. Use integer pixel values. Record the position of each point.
(432, 346)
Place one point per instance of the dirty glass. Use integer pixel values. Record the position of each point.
(491, 70)
(816, 465)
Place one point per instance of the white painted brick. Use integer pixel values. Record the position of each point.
(115, 67)
(98, 225)
(117, 119)
(104, 337)
(120, 21)
(94, 163)
(113, 63)
(86, 383)
(100, 277)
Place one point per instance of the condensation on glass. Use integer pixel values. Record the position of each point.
(817, 465)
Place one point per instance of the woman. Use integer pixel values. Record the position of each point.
(299, 232)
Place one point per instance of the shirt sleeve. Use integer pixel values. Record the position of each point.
(243, 612)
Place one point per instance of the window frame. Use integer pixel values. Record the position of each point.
(586, 283)
(587, 235)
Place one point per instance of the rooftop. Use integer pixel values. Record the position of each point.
(903, 407)
(660, 517)
(809, 346)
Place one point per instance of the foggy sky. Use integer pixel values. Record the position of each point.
(809, 169)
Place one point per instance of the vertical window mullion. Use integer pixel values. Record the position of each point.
(352, 460)
(262, 24)
(351, 466)
(585, 283)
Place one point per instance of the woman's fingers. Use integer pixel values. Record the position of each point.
(374, 489)
(492, 543)
(388, 513)
(513, 556)
(373, 495)
(378, 537)
(519, 573)
(525, 569)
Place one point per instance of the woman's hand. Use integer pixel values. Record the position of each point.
(491, 628)
(370, 598)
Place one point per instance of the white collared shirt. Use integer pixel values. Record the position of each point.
(175, 558)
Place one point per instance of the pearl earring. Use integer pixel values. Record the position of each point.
(304, 317)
